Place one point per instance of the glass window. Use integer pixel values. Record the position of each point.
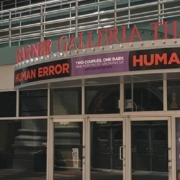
(23, 149)
(8, 104)
(145, 96)
(33, 103)
(173, 96)
(102, 99)
(66, 101)
(68, 159)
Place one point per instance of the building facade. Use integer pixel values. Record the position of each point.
(89, 90)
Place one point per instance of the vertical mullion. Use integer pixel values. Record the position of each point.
(164, 92)
(88, 151)
(115, 13)
(10, 33)
(170, 148)
(129, 13)
(17, 103)
(173, 150)
(41, 24)
(76, 8)
(159, 11)
(83, 97)
(121, 105)
(50, 143)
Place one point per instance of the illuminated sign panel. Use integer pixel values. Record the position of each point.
(114, 62)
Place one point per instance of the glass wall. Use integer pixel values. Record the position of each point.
(102, 99)
(8, 104)
(149, 150)
(106, 150)
(173, 97)
(23, 149)
(33, 103)
(145, 96)
(66, 101)
(68, 150)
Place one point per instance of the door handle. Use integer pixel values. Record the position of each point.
(120, 153)
(108, 150)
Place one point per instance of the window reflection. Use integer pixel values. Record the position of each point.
(173, 97)
(33, 103)
(66, 101)
(8, 104)
(102, 99)
(146, 96)
(23, 149)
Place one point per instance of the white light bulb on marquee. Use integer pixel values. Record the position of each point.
(121, 46)
(93, 49)
(84, 50)
(54, 55)
(152, 42)
(131, 45)
(102, 48)
(32, 60)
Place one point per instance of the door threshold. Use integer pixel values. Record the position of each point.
(138, 172)
(107, 170)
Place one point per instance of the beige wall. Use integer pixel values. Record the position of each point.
(7, 78)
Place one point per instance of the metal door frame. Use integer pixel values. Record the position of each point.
(104, 118)
(170, 141)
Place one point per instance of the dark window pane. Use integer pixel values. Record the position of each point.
(33, 103)
(8, 104)
(66, 101)
(146, 96)
(173, 96)
(102, 99)
(23, 149)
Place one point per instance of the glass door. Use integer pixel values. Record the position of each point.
(68, 149)
(150, 148)
(107, 148)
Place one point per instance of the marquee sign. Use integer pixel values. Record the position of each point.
(105, 36)
(113, 62)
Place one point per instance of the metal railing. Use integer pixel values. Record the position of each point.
(51, 18)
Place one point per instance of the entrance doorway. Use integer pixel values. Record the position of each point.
(150, 146)
(107, 148)
(107, 142)
(68, 142)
